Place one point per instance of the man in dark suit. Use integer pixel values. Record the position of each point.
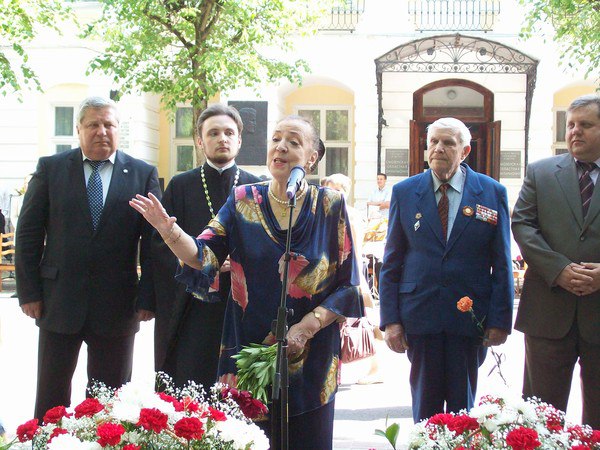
(448, 237)
(188, 331)
(556, 222)
(77, 256)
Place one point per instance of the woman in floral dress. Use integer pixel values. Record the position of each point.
(323, 275)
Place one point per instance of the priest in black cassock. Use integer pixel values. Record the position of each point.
(187, 333)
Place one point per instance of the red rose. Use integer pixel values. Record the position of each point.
(26, 431)
(249, 406)
(523, 439)
(57, 432)
(189, 428)
(53, 415)
(132, 447)
(440, 419)
(88, 408)
(462, 423)
(170, 399)
(110, 433)
(216, 415)
(153, 419)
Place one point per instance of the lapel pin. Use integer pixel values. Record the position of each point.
(418, 216)
(125, 171)
(467, 211)
(417, 225)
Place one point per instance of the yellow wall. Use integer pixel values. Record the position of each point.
(564, 97)
(318, 95)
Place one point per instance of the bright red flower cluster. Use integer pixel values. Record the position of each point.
(26, 431)
(110, 433)
(523, 438)
(53, 415)
(88, 408)
(189, 428)
(153, 419)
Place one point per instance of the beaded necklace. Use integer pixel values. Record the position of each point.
(283, 204)
(210, 207)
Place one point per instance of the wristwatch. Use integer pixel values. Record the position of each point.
(317, 315)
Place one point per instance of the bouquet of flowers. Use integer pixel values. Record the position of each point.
(503, 423)
(136, 417)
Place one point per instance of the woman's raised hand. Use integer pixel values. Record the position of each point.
(152, 210)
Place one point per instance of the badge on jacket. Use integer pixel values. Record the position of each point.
(486, 214)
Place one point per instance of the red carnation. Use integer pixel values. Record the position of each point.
(132, 447)
(189, 428)
(595, 438)
(153, 419)
(170, 399)
(189, 404)
(27, 431)
(440, 419)
(580, 447)
(110, 433)
(88, 408)
(250, 407)
(53, 415)
(216, 415)
(57, 432)
(462, 423)
(523, 439)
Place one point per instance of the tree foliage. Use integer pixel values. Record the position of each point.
(189, 50)
(20, 22)
(576, 25)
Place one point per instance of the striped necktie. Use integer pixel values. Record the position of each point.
(94, 192)
(586, 185)
(443, 208)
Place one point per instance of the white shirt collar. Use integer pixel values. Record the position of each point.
(111, 158)
(221, 169)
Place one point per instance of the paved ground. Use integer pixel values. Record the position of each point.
(359, 409)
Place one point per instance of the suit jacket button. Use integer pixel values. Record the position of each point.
(582, 238)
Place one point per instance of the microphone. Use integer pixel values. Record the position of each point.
(296, 176)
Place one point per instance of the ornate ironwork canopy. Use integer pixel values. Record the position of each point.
(456, 53)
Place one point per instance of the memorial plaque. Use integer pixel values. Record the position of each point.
(396, 162)
(510, 164)
(254, 136)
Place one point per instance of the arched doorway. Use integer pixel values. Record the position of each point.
(464, 100)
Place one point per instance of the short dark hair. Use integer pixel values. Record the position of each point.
(219, 110)
(382, 174)
(585, 100)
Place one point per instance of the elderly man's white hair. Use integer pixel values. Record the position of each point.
(96, 103)
(450, 123)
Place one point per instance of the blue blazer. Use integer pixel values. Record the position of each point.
(423, 277)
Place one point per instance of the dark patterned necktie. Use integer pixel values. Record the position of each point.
(443, 209)
(94, 192)
(586, 185)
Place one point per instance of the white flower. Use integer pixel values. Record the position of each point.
(69, 442)
(526, 409)
(241, 434)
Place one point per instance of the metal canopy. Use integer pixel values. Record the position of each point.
(456, 53)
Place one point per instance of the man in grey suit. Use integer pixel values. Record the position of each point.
(76, 261)
(556, 222)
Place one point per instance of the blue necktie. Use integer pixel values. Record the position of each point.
(94, 192)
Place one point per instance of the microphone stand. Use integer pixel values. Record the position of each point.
(279, 416)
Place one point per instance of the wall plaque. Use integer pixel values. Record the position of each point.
(510, 164)
(396, 162)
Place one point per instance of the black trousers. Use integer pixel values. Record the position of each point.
(110, 360)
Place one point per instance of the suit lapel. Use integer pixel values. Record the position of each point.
(76, 179)
(121, 171)
(428, 206)
(471, 197)
(566, 175)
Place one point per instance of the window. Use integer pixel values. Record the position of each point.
(184, 154)
(64, 135)
(560, 130)
(333, 125)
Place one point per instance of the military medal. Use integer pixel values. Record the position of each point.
(467, 211)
